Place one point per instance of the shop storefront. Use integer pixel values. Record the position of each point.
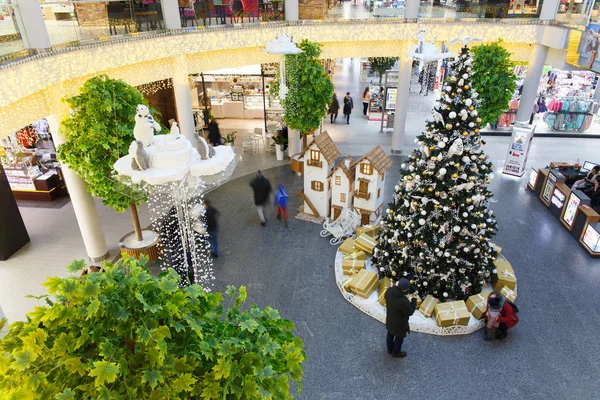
(565, 103)
(30, 164)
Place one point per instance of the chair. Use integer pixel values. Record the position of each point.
(185, 16)
(248, 141)
(257, 138)
(117, 16)
(204, 9)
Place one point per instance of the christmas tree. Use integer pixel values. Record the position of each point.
(437, 231)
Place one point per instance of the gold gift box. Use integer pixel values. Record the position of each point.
(504, 276)
(346, 284)
(452, 313)
(357, 255)
(348, 246)
(496, 249)
(477, 304)
(364, 283)
(384, 284)
(365, 243)
(510, 294)
(371, 230)
(428, 306)
(350, 267)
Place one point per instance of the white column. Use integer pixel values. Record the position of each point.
(597, 92)
(183, 98)
(412, 9)
(291, 10)
(532, 81)
(404, 71)
(31, 25)
(549, 10)
(170, 9)
(294, 142)
(84, 205)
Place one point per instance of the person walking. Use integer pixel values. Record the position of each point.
(262, 189)
(212, 227)
(334, 108)
(366, 98)
(281, 201)
(501, 315)
(348, 106)
(214, 135)
(398, 310)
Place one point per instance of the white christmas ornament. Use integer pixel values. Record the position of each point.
(468, 102)
(456, 229)
(456, 148)
(452, 114)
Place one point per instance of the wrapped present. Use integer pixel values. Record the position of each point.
(346, 284)
(347, 247)
(371, 230)
(510, 294)
(365, 243)
(504, 276)
(477, 304)
(357, 255)
(496, 249)
(428, 305)
(364, 283)
(382, 287)
(452, 313)
(350, 267)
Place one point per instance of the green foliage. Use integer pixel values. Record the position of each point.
(126, 334)
(381, 64)
(309, 89)
(437, 232)
(99, 133)
(493, 79)
(230, 138)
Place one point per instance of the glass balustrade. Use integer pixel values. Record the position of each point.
(11, 39)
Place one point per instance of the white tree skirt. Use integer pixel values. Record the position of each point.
(418, 322)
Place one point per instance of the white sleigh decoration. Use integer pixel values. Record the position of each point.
(342, 227)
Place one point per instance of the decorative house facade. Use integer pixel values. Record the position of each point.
(341, 180)
(369, 184)
(319, 158)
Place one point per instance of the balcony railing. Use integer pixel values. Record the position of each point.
(361, 195)
(315, 163)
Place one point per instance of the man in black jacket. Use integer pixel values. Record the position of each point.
(399, 309)
(262, 189)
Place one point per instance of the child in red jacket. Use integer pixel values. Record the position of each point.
(500, 316)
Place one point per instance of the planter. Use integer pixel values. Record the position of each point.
(148, 246)
(297, 165)
(279, 152)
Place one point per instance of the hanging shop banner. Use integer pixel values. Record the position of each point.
(518, 150)
(588, 48)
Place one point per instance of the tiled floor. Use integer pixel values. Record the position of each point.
(55, 235)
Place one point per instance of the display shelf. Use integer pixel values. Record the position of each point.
(560, 195)
(553, 178)
(590, 238)
(533, 179)
(575, 200)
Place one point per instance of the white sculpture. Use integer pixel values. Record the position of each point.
(174, 132)
(456, 148)
(144, 125)
(205, 150)
(139, 158)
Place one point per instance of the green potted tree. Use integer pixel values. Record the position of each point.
(281, 144)
(310, 90)
(381, 64)
(493, 79)
(99, 132)
(125, 333)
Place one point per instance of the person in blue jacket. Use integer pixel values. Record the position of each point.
(281, 201)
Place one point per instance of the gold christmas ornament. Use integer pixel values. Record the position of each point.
(393, 273)
(471, 108)
(478, 120)
(448, 126)
(430, 189)
(468, 201)
(437, 194)
(466, 87)
(465, 134)
(431, 147)
(488, 181)
(454, 176)
(476, 130)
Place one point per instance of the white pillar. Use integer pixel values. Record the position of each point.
(294, 142)
(84, 205)
(404, 71)
(532, 81)
(291, 10)
(31, 25)
(549, 10)
(597, 92)
(412, 9)
(183, 98)
(170, 9)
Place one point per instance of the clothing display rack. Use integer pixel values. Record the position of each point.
(570, 114)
